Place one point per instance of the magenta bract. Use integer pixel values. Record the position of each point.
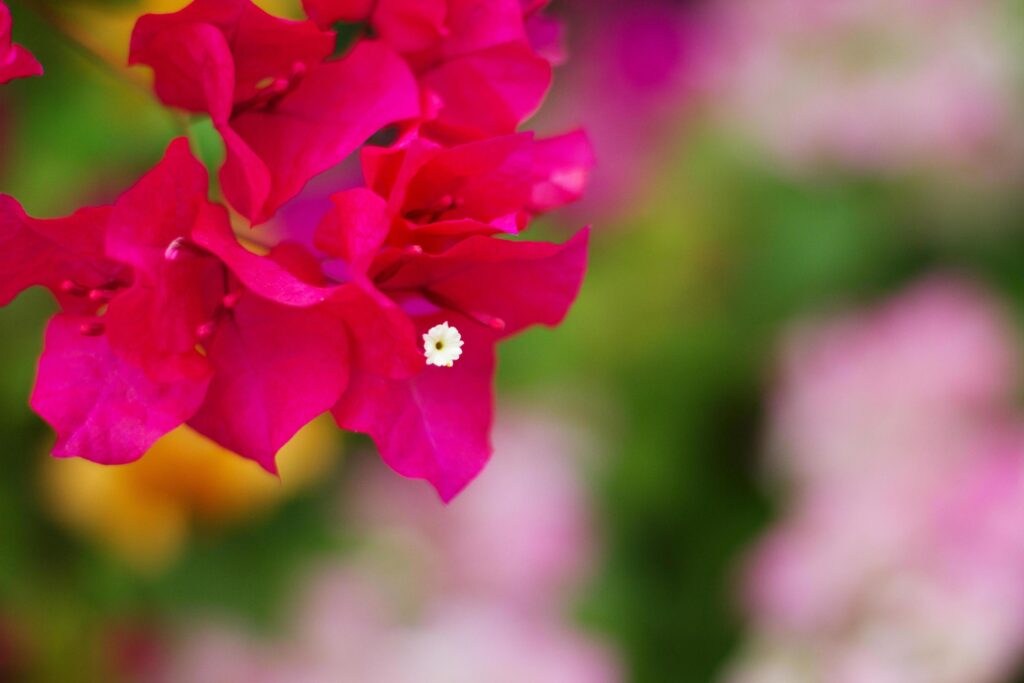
(285, 113)
(169, 317)
(15, 61)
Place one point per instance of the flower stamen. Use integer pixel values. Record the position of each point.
(442, 345)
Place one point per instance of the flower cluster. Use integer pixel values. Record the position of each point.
(651, 54)
(900, 555)
(168, 317)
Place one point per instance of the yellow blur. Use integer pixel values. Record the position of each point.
(143, 511)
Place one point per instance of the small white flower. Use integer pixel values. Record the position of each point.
(442, 345)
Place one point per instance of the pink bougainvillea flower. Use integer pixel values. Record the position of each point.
(124, 352)
(474, 60)
(896, 432)
(195, 328)
(159, 331)
(270, 365)
(83, 389)
(285, 112)
(436, 424)
(103, 407)
(389, 315)
(501, 284)
(15, 61)
(429, 422)
(475, 188)
(154, 322)
(432, 196)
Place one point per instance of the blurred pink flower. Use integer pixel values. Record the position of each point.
(895, 388)
(466, 643)
(472, 592)
(454, 643)
(901, 556)
(524, 534)
(632, 70)
(870, 85)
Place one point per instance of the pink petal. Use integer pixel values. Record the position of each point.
(561, 170)
(192, 64)
(410, 25)
(156, 322)
(475, 25)
(486, 93)
(50, 252)
(435, 425)
(245, 178)
(474, 188)
(15, 61)
(159, 209)
(103, 408)
(335, 108)
(443, 235)
(384, 339)
(483, 180)
(296, 258)
(277, 368)
(19, 63)
(388, 170)
(503, 284)
(262, 48)
(355, 227)
(260, 274)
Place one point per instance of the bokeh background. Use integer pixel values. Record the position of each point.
(779, 439)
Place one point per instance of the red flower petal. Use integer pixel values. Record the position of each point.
(436, 425)
(102, 407)
(503, 284)
(15, 61)
(56, 253)
(335, 108)
(277, 368)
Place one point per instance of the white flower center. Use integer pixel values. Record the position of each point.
(442, 345)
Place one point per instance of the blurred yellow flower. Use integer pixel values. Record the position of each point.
(142, 512)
